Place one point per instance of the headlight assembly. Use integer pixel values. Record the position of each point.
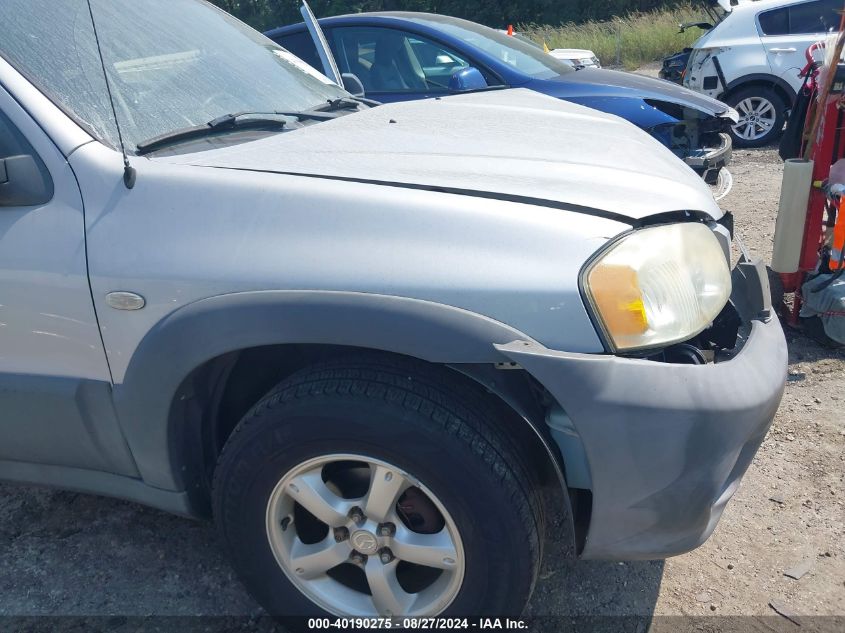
(658, 286)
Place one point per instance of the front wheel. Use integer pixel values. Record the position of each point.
(377, 488)
(762, 115)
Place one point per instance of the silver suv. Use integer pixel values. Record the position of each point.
(364, 340)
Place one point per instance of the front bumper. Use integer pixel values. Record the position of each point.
(666, 444)
(675, 75)
(708, 161)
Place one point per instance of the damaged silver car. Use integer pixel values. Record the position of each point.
(376, 345)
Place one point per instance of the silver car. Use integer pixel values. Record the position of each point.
(363, 340)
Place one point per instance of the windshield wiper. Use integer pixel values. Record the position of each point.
(334, 105)
(236, 121)
(221, 123)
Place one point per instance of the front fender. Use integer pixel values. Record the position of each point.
(212, 327)
(630, 107)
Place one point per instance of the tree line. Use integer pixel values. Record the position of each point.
(265, 14)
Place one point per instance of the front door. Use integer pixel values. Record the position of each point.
(55, 385)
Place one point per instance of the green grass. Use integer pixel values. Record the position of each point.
(641, 37)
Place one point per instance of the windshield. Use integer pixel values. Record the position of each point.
(526, 40)
(529, 59)
(171, 64)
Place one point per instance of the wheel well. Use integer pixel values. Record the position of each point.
(215, 397)
(781, 91)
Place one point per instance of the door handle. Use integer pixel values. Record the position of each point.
(783, 50)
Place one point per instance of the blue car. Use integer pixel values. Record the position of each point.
(402, 56)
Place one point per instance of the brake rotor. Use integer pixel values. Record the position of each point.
(419, 513)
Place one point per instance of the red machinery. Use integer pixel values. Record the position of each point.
(825, 149)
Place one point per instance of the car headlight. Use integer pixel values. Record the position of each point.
(658, 286)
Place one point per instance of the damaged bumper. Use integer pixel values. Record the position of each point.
(667, 444)
(701, 140)
(708, 161)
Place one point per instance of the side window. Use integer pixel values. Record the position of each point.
(301, 45)
(775, 22)
(24, 179)
(438, 63)
(12, 142)
(387, 60)
(814, 17)
(806, 18)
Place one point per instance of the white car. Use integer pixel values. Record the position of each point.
(753, 57)
(576, 57)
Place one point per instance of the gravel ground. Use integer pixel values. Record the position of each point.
(69, 554)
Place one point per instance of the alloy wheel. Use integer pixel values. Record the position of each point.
(359, 537)
(757, 118)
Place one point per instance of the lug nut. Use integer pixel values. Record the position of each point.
(385, 556)
(386, 529)
(341, 534)
(356, 515)
(357, 559)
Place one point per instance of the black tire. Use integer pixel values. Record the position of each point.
(758, 92)
(430, 424)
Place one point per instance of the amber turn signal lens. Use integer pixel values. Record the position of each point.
(618, 296)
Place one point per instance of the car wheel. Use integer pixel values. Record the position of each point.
(762, 115)
(378, 488)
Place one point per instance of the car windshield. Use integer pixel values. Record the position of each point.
(527, 58)
(171, 64)
(527, 40)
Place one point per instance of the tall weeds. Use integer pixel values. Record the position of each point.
(628, 41)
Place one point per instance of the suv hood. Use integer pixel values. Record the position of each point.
(512, 144)
(600, 82)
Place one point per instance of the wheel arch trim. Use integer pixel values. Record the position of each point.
(209, 328)
(777, 83)
(514, 396)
